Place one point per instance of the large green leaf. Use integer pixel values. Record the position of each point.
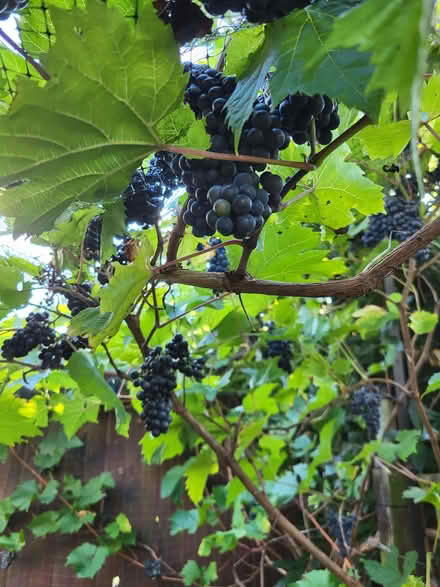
(81, 136)
(379, 28)
(342, 73)
(291, 252)
(340, 186)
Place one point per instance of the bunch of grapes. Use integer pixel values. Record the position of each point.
(142, 200)
(207, 90)
(401, 220)
(299, 110)
(219, 262)
(161, 171)
(157, 379)
(341, 529)
(152, 568)
(36, 332)
(365, 402)
(243, 206)
(239, 208)
(92, 239)
(282, 349)
(52, 356)
(257, 11)
(8, 7)
(76, 301)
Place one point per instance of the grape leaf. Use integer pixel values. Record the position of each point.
(386, 140)
(182, 520)
(388, 573)
(317, 579)
(50, 492)
(243, 44)
(45, 523)
(191, 572)
(80, 137)
(422, 322)
(6, 511)
(87, 559)
(24, 495)
(70, 522)
(197, 472)
(76, 411)
(54, 446)
(239, 105)
(342, 73)
(382, 30)
(14, 426)
(291, 252)
(14, 542)
(339, 186)
(122, 290)
(92, 383)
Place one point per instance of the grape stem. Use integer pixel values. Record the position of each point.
(319, 157)
(35, 64)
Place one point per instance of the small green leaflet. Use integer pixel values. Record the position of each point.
(43, 524)
(317, 579)
(191, 573)
(24, 495)
(422, 322)
(182, 520)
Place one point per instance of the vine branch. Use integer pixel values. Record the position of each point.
(276, 516)
(350, 287)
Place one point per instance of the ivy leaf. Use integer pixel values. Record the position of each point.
(422, 322)
(87, 559)
(200, 467)
(24, 495)
(92, 383)
(50, 492)
(182, 520)
(14, 426)
(43, 524)
(124, 287)
(104, 103)
(382, 28)
(343, 73)
(388, 573)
